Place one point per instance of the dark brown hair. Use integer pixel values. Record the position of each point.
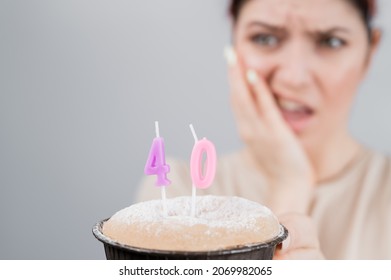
(366, 8)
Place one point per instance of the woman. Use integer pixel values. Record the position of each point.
(294, 69)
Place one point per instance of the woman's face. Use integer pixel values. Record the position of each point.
(313, 55)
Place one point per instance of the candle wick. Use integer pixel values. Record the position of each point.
(193, 201)
(157, 129)
(193, 132)
(194, 189)
(164, 201)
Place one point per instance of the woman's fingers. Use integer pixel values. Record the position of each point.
(302, 242)
(251, 96)
(241, 95)
(264, 98)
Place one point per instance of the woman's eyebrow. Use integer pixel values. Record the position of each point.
(271, 27)
(332, 30)
(282, 29)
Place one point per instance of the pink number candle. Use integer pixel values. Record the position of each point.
(156, 165)
(201, 177)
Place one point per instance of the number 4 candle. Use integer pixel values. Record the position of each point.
(199, 178)
(156, 165)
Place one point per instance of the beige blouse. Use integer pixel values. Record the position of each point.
(352, 211)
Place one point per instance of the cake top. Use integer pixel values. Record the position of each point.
(213, 211)
(219, 223)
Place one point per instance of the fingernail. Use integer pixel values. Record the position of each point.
(252, 76)
(230, 55)
(285, 244)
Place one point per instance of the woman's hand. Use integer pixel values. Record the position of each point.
(270, 143)
(302, 242)
(278, 154)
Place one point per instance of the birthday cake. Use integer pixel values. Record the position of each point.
(219, 223)
(190, 227)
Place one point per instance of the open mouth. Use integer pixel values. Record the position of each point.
(297, 115)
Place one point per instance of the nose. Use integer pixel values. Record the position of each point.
(292, 72)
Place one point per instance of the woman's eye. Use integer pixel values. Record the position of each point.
(332, 42)
(266, 40)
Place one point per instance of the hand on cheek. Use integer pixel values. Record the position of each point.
(270, 143)
(278, 155)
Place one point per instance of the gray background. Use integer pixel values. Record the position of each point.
(81, 84)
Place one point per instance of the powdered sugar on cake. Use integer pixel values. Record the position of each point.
(234, 213)
(220, 222)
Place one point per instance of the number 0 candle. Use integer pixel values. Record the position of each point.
(202, 176)
(156, 165)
